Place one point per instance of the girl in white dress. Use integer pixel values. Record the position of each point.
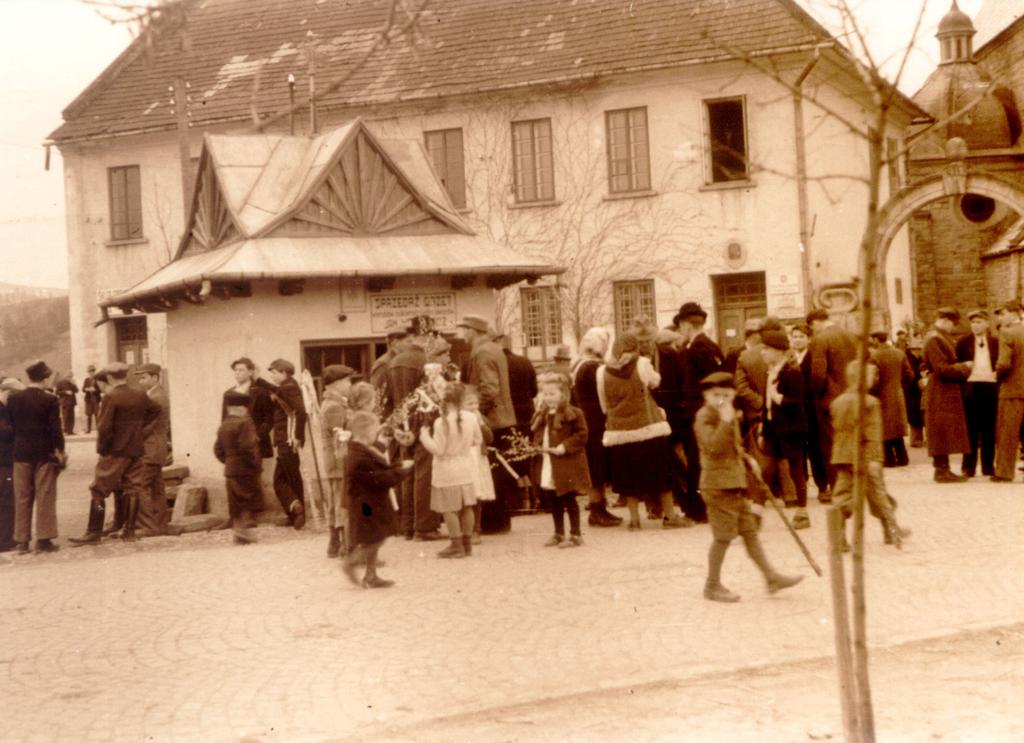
(453, 442)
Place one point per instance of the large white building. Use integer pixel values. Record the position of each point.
(639, 145)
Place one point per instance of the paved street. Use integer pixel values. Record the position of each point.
(192, 638)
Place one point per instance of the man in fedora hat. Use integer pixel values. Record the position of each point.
(126, 414)
(701, 358)
(981, 393)
(405, 374)
(562, 364)
(337, 380)
(487, 370)
(1010, 371)
(38, 459)
(944, 417)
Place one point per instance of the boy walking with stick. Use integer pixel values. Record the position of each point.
(723, 482)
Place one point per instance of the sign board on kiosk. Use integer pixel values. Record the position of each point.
(389, 311)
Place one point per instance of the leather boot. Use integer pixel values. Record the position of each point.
(455, 549)
(94, 530)
(131, 514)
(334, 545)
(467, 544)
(118, 523)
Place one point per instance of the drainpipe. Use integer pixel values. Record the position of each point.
(801, 181)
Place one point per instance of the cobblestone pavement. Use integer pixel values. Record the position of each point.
(193, 638)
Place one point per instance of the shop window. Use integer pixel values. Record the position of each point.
(542, 316)
(633, 299)
(629, 166)
(132, 340)
(727, 140)
(533, 161)
(448, 159)
(125, 203)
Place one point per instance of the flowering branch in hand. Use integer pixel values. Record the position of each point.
(518, 448)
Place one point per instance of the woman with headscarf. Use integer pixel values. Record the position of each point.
(636, 436)
(593, 347)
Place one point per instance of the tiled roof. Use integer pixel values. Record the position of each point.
(457, 47)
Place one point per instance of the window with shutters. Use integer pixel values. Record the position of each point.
(726, 124)
(448, 159)
(125, 203)
(542, 316)
(629, 166)
(533, 161)
(633, 299)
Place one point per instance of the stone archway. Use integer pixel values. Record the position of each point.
(954, 180)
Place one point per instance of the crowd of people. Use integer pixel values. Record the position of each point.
(647, 418)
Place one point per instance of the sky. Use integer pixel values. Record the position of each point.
(50, 50)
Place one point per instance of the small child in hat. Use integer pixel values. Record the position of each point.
(238, 448)
(723, 482)
(843, 411)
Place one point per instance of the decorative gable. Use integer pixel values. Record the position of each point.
(362, 194)
(212, 223)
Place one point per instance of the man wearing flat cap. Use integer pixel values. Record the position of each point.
(944, 416)
(38, 459)
(153, 514)
(288, 436)
(487, 370)
(981, 393)
(337, 380)
(1010, 372)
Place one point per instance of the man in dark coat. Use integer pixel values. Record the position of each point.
(91, 397)
(1010, 371)
(701, 357)
(944, 417)
(7, 386)
(405, 374)
(893, 372)
(288, 436)
(379, 369)
(831, 349)
(981, 393)
(487, 370)
(799, 341)
(125, 415)
(153, 513)
(522, 385)
(67, 391)
(38, 459)
(238, 448)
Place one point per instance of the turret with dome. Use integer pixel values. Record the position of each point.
(994, 121)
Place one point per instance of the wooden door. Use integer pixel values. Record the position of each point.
(738, 298)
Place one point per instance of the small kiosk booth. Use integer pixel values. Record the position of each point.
(309, 249)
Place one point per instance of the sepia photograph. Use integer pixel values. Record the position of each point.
(505, 371)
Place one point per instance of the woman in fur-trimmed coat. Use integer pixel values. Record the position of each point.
(636, 436)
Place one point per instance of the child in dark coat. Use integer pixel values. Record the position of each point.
(238, 448)
(369, 476)
(560, 431)
(723, 483)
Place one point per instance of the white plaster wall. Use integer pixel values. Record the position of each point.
(693, 223)
(203, 340)
(97, 266)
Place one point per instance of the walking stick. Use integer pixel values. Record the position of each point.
(782, 515)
